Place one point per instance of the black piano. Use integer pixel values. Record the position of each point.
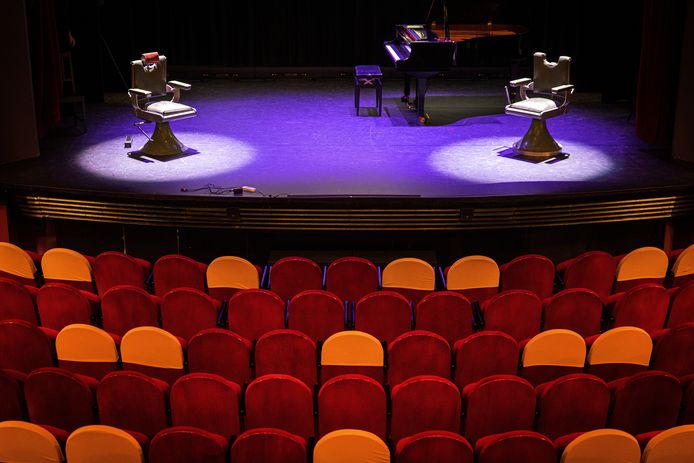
(422, 51)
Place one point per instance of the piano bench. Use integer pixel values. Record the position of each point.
(368, 76)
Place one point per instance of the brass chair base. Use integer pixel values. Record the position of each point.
(537, 141)
(163, 142)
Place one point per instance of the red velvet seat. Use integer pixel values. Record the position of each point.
(351, 278)
(594, 270)
(208, 402)
(672, 350)
(126, 307)
(154, 352)
(439, 446)
(418, 353)
(352, 352)
(12, 405)
(187, 311)
(61, 305)
(316, 313)
(24, 347)
(484, 354)
(682, 267)
(475, 277)
(384, 315)
(18, 301)
(60, 265)
(642, 265)
(352, 402)
(227, 275)
(575, 309)
(645, 402)
(222, 353)
(254, 312)
(644, 306)
(681, 306)
(268, 445)
(552, 354)
(424, 403)
(134, 402)
(497, 404)
(619, 352)
(570, 404)
(511, 446)
(291, 275)
(687, 411)
(288, 352)
(411, 277)
(60, 399)
(446, 313)
(86, 350)
(280, 401)
(17, 264)
(530, 272)
(516, 312)
(113, 268)
(177, 271)
(185, 444)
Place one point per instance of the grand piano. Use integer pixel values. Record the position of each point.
(423, 51)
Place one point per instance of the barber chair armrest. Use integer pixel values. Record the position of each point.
(519, 82)
(563, 88)
(181, 85)
(139, 92)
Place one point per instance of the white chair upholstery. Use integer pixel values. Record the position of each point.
(146, 96)
(551, 94)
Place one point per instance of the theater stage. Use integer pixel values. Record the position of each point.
(316, 164)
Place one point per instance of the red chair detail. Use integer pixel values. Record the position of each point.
(515, 446)
(18, 301)
(672, 350)
(681, 306)
(531, 272)
(184, 444)
(439, 446)
(177, 271)
(126, 307)
(446, 313)
(187, 311)
(351, 278)
(644, 306)
(113, 268)
(291, 275)
(12, 405)
(254, 312)
(222, 353)
(594, 270)
(574, 309)
(418, 353)
(268, 445)
(61, 305)
(516, 312)
(484, 354)
(384, 315)
(24, 347)
(316, 313)
(288, 352)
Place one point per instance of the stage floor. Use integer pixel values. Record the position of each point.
(296, 137)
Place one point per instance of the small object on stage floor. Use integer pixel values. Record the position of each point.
(368, 76)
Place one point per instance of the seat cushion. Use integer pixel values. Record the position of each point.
(533, 105)
(167, 108)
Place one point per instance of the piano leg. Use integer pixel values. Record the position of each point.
(406, 91)
(421, 92)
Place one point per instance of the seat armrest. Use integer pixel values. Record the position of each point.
(139, 92)
(519, 82)
(181, 85)
(562, 88)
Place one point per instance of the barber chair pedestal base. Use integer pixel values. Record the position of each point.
(163, 142)
(537, 142)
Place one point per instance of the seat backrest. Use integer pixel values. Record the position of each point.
(183, 444)
(531, 272)
(12, 406)
(24, 347)
(228, 274)
(254, 312)
(473, 272)
(484, 354)
(59, 398)
(208, 402)
(153, 351)
(683, 268)
(178, 271)
(672, 351)
(418, 353)
(547, 74)
(575, 309)
(383, 314)
(280, 401)
(288, 352)
(67, 266)
(644, 306)
(27, 442)
(60, 305)
(675, 445)
(352, 402)
(113, 268)
(149, 74)
(125, 307)
(424, 403)
(17, 302)
(570, 404)
(275, 445)
(350, 446)
(16, 264)
(221, 352)
(412, 277)
(86, 350)
(592, 270)
(552, 354)
(351, 278)
(619, 352)
(644, 402)
(603, 445)
(647, 265)
(446, 313)
(105, 444)
(496, 404)
(515, 446)
(291, 275)
(439, 446)
(187, 311)
(517, 312)
(681, 307)
(134, 401)
(351, 352)
(316, 313)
